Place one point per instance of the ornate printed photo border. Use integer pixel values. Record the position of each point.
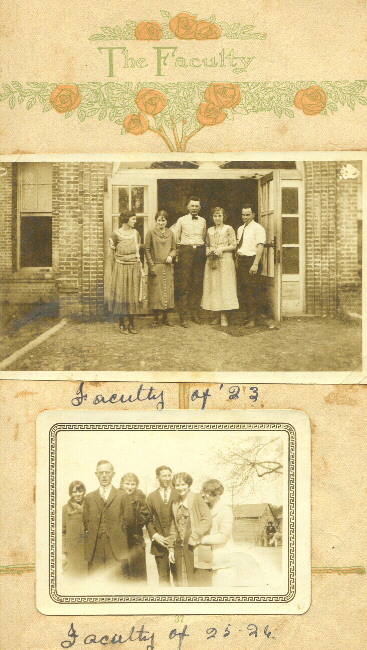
(176, 112)
(253, 428)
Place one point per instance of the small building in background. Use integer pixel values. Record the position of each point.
(251, 520)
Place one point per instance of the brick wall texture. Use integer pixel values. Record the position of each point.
(331, 252)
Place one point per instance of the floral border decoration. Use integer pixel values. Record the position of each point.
(176, 112)
(184, 26)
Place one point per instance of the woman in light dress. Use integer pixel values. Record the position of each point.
(126, 288)
(160, 249)
(219, 288)
(220, 534)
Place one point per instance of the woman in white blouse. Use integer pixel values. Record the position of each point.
(220, 534)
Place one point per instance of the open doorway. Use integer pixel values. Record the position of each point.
(229, 194)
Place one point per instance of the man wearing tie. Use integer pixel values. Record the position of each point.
(159, 503)
(251, 238)
(190, 231)
(105, 543)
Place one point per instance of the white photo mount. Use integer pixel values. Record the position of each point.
(68, 447)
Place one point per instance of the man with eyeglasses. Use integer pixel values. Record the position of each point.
(105, 543)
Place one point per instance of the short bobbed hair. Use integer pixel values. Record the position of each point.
(213, 487)
(219, 209)
(160, 469)
(161, 213)
(125, 215)
(131, 477)
(76, 484)
(184, 477)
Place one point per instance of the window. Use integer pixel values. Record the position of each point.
(290, 229)
(131, 197)
(34, 226)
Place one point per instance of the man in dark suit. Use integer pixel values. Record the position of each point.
(105, 543)
(159, 503)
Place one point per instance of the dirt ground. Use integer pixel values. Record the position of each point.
(300, 344)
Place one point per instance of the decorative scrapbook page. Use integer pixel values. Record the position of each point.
(182, 266)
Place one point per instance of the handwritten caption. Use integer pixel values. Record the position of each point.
(150, 393)
(177, 635)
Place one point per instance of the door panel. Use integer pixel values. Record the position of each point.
(270, 217)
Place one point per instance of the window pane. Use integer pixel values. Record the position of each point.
(44, 203)
(44, 173)
(123, 203)
(29, 198)
(290, 260)
(290, 200)
(29, 173)
(36, 241)
(137, 199)
(290, 230)
(271, 195)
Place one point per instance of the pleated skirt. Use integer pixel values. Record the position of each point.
(125, 288)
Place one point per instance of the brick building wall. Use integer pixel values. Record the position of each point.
(331, 211)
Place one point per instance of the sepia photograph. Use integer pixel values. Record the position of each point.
(174, 511)
(215, 265)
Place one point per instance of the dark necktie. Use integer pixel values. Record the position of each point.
(241, 238)
(195, 217)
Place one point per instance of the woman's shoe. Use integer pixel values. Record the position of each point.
(223, 320)
(167, 321)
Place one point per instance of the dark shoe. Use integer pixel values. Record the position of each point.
(184, 323)
(250, 324)
(215, 321)
(167, 321)
(155, 323)
(196, 320)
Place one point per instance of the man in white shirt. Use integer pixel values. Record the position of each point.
(190, 231)
(251, 238)
(159, 503)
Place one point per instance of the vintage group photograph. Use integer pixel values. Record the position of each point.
(213, 265)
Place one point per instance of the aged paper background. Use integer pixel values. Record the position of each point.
(335, 619)
(321, 40)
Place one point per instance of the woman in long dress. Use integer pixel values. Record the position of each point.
(220, 534)
(125, 294)
(220, 288)
(160, 249)
(73, 559)
(191, 520)
(136, 517)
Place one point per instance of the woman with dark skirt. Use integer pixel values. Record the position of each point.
(73, 559)
(160, 249)
(191, 521)
(126, 288)
(136, 517)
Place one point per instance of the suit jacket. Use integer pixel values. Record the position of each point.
(155, 525)
(200, 518)
(114, 519)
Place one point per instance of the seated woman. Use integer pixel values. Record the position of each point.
(220, 534)
(73, 559)
(220, 288)
(160, 249)
(191, 520)
(136, 517)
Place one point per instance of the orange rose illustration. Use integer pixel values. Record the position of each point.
(311, 101)
(65, 98)
(136, 123)
(206, 30)
(183, 25)
(224, 95)
(209, 114)
(151, 101)
(148, 31)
